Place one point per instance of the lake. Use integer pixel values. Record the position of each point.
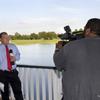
(37, 54)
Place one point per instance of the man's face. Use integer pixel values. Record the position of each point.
(5, 39)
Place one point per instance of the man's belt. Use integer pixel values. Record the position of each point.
(14, 70)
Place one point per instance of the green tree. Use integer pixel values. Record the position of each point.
(17, 35)
(43, 35)
(34, 36)
(51, 35)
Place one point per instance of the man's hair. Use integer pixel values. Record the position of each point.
(3, 33)
(94, 25)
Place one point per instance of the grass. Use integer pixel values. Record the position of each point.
(27, 42)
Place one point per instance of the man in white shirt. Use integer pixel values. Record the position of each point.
(8, 72)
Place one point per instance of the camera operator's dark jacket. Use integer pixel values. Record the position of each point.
(80, 61)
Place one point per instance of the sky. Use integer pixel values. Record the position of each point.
(33, 16)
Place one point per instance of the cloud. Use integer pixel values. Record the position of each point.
(36, 20)
(69, 10)
(97, 0)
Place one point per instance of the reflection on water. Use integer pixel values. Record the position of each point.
(37, 54)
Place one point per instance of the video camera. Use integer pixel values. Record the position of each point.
(69, 36)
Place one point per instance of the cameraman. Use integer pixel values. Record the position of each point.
(80, 62)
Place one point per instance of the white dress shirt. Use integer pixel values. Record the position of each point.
(3, 58)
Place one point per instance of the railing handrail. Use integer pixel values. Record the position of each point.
(36, 66)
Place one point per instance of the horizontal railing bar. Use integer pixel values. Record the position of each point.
(36, 66)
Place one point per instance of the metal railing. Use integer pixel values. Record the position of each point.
(40, 83)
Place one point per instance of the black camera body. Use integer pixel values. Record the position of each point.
(69, 36)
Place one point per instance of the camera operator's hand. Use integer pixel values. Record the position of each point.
(59, 45)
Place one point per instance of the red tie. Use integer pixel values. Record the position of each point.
(8, 59)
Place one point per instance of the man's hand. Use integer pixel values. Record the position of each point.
(12, 58)
(59, 45)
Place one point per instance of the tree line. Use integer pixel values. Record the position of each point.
(41, 35)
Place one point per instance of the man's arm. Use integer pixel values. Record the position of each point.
(59, 60)
(17, 54)
(60, 56)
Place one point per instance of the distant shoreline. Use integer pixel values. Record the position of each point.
(28, 42)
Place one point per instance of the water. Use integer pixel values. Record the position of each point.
(37, 54)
